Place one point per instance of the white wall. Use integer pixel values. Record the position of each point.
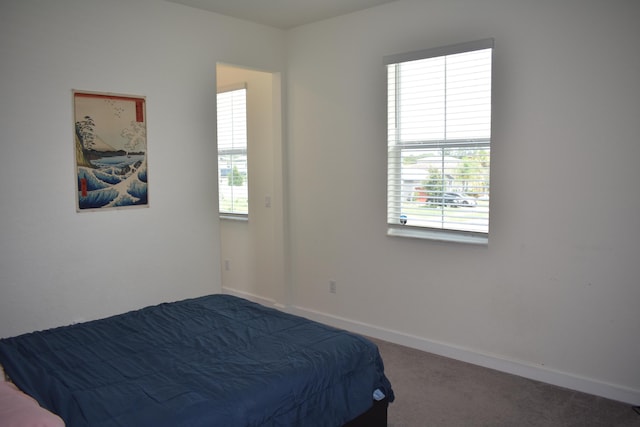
(56, 265)
(555, 294)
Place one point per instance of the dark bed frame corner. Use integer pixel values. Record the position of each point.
(376, 416)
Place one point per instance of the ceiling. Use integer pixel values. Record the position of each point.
(283, 14)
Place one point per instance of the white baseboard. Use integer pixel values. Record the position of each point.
(515, 367)
(267, 302)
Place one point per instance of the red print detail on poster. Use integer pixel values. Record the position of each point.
(139, 111)
(83, 187)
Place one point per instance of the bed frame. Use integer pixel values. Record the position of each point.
(374, 417)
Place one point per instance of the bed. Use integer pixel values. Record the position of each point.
(217, 360)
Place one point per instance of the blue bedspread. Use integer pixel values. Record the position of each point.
(217, 360)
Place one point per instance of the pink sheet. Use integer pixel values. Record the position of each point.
(20, 410)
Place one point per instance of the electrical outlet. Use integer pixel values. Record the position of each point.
(227, 265)
(332, 286)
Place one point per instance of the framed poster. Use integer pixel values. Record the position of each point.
(110, 133)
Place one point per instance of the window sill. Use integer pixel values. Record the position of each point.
(234, 217)
(439, 235)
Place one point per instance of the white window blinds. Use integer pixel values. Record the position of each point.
(439, 140)
(232, 152)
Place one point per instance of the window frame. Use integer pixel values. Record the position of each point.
(235, 215)
(394, 151)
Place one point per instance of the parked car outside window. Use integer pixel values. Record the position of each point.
(453, 199)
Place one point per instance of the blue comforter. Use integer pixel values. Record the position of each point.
(217, 360)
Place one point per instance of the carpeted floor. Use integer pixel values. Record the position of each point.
(440, 392)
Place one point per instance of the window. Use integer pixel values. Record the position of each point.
(232, 152)
(439, 142)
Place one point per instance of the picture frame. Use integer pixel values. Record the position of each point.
(110, 138)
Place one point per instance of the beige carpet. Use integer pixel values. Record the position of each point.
(436, 391)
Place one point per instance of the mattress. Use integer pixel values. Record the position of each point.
(216, 360)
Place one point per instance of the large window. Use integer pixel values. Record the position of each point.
(232, 152)
(439, 142)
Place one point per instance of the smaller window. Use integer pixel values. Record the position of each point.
(233, 185)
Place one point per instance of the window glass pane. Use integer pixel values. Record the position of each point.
(445, 188)
(422, 100)
(468, 92)
(232, 153)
